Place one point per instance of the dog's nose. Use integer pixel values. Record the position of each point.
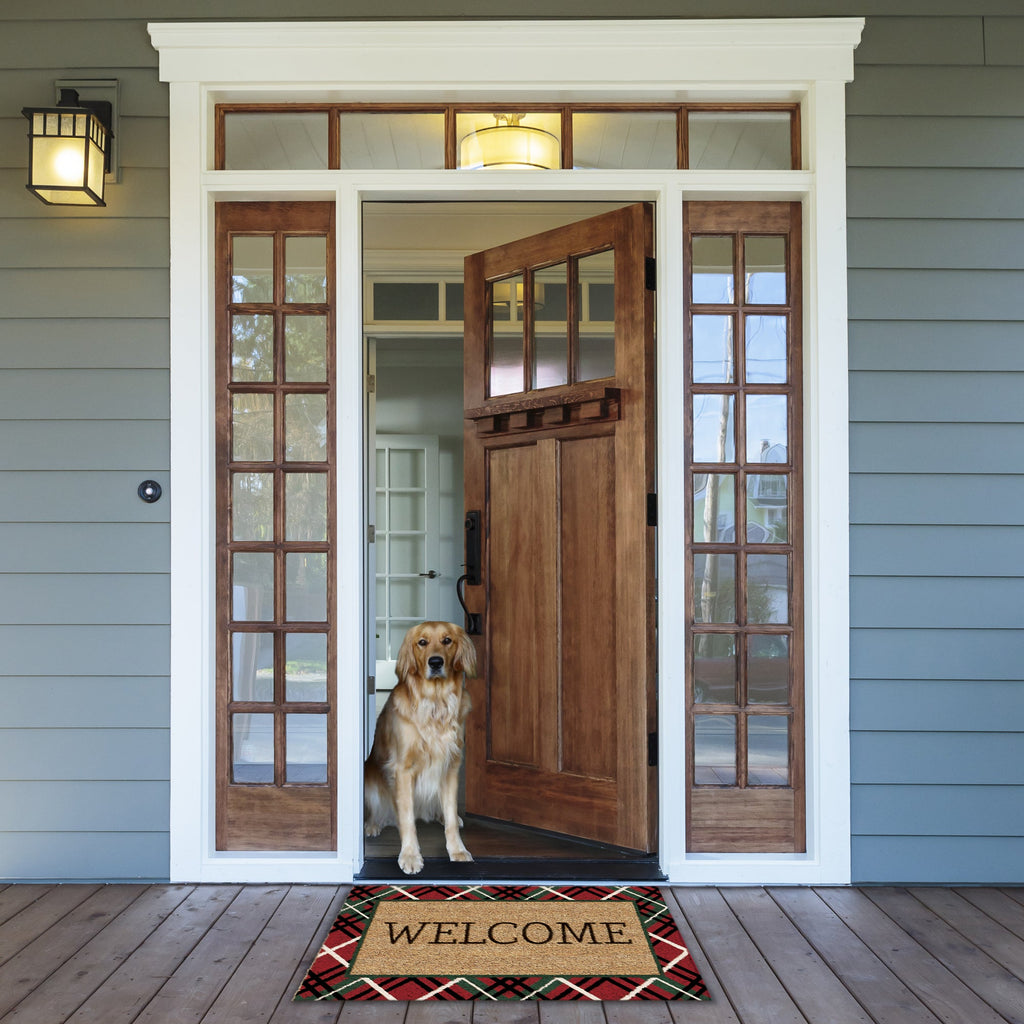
(435, 662)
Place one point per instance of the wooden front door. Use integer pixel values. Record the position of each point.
(559, 464)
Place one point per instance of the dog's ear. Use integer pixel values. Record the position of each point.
(405, 666)
(465, 652)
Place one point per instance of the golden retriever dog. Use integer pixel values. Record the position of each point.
(413, 768)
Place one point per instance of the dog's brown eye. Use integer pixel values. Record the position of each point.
(422, 642)
(446, 641)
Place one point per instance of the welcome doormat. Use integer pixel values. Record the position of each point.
(414, 942)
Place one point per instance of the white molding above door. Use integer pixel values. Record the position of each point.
(804, 60)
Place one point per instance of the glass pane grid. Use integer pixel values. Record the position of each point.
(740, 472)
(518, 135)
(280, 411)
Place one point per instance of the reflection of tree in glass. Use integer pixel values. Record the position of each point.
(252, 347)
(306, 506)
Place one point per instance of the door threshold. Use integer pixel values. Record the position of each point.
(515, 869)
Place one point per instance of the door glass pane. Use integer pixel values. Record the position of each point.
(252, 506)
(712, 269)
(252, 428)
(767, 750)
(641, 139)
(407, 512)
(252, 666)
(767, 429)
(714, 508)
(767, 508)
(765, 349)
(744, 140)
(305, 668)
(305, 428)
(305, 506)
(714, 750)
(765, 266)
(714, 588)
(305, 748)
(597, 307)
(407, 599)
(406, 300)
(305, 268)
(388, 140)
(252, 748)
(408, 468)
(252, 347)
(767, 669)
(550, 329)
(275, 141)
(252, 586)
(506, 370)
(768, 588)
(714, 668)
(713, 426)
(305, 348)
(408, 554)
(713, 359)
(306, 587)
(252, 268)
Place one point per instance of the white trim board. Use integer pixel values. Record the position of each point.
(806, 60)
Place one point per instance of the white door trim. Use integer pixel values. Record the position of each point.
(804, 60)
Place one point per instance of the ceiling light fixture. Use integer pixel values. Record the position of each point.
(508, 143)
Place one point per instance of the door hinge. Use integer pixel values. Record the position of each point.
(652, 750)
(652, 509)
(371, 685)
(371, 383)
(650, 273)
(371, 534)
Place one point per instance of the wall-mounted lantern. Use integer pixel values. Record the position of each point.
(69, 150)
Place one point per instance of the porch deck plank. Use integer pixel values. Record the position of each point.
(269, 964)
(28, 974)
(816, 990)
(931, 980)
(121, 998)
(15, 898)
(194, 987)
(716, 1010)
(120, 930)
(990, 980)
(751, 985)
(209, 954)
(38, 915)
(872, 984)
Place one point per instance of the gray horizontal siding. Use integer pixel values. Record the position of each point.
(939, 860)
(88, 599)
(936, 250)
(936, 705)
(67, 546)
(84, 585)
(85, 856)
(911, 498)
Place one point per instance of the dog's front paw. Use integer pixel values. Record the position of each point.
(371, 829)
(460, 855)
(410, 861)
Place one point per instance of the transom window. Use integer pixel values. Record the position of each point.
(722, 136)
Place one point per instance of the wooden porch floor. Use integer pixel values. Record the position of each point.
(235, 954)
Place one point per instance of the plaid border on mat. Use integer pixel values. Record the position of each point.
(329, 978)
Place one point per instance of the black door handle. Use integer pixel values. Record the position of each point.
(472, 575)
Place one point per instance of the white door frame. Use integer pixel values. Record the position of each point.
(806, 60)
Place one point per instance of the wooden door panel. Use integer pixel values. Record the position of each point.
(589, 746)
(523, 669)
(566, 694)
